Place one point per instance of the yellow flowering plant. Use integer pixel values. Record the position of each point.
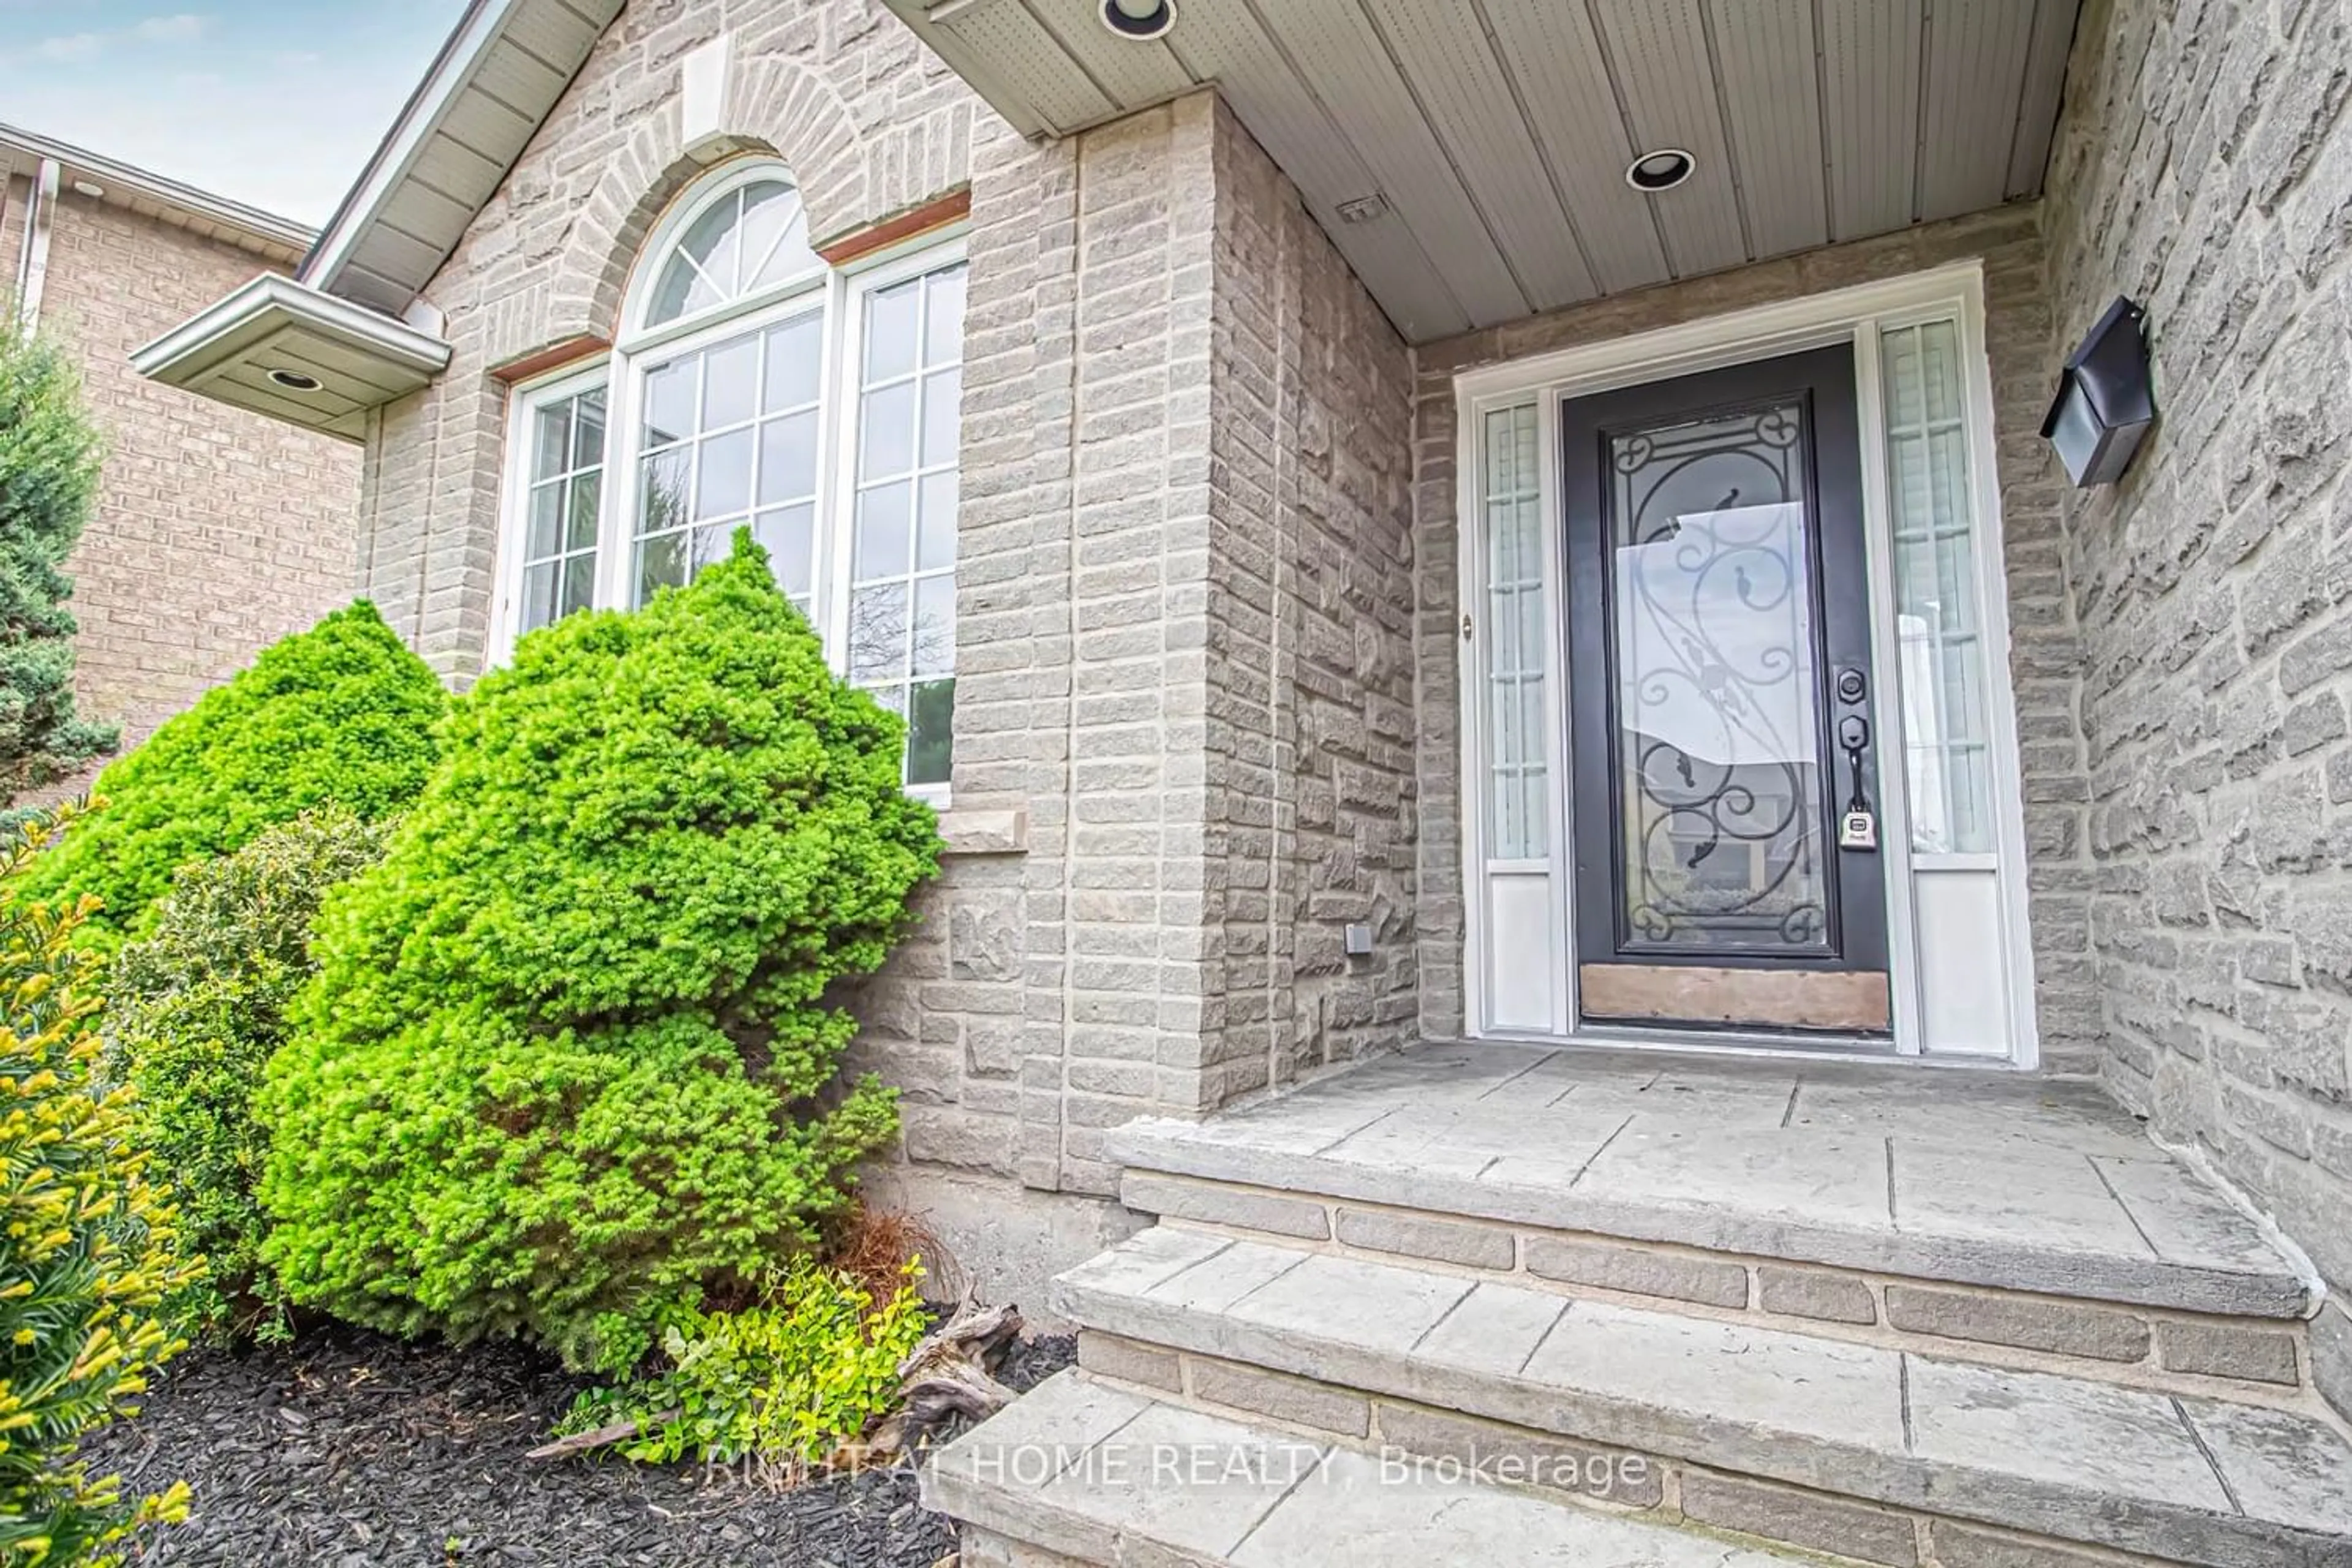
(86, 1254)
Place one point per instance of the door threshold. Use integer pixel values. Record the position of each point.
(1747, 1043)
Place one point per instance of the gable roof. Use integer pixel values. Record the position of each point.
(501, 71)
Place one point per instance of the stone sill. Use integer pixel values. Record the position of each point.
(974, 833)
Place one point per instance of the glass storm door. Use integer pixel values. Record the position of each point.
(1725, 791)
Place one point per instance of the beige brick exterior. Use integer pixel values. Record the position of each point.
(1184, 587)
(1208, 636)
(217, 532)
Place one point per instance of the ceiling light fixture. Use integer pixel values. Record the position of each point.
(1660, 171)
(1142, 20)
(90, 188)
(295, 381)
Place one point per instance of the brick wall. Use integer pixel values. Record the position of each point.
(216, 531)
(1184, 589)
(1308, 736)
(2204, 167)
(2045, 652)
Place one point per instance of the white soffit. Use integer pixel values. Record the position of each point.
(1498, 131)
(275, 239)
(504, 67)
(359, 360)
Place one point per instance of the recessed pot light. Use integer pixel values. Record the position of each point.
(1141, 19)
(1660, 171)
(295, 381)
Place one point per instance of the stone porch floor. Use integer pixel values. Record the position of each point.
(1988, 1178)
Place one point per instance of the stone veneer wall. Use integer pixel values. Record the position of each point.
(216, 531)
(2204, 167)
(2044, 651)
(1181, 643)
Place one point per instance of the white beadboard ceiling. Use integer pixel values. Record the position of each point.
(1498, 131)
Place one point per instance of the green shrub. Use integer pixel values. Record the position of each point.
(343, 712)
(85, 1255)
(49, 458)
(567, 1061)
(200, 1006)
(780, 1384)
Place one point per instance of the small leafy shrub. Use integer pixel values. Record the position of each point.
(200, 1007)
(568, 1063)
(86, 1253)
(780, 1386)
(343, 712)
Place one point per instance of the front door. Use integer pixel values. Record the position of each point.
(1725, 789)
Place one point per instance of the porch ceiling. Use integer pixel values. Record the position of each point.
(1495, 132)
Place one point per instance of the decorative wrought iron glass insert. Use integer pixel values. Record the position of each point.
(1714, 636)
(1947, 746)
(1521, 826)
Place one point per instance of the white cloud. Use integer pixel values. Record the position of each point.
(71, 48)
(185, 27)
(80, 48)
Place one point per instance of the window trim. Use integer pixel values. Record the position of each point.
(837, 294)
(719, 184)
(524, 400)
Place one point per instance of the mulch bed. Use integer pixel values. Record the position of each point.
(352, 1449)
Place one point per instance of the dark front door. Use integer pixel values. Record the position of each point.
(1726, 796)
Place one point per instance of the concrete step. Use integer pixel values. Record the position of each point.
(1973, 1179)
(2163, 1348)
(2179, 1479)
(1086, 1472)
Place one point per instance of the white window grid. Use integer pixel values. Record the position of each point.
(836, 300)
(1520, 824)
(1947, 737)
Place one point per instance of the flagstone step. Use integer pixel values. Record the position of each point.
(1084, 1473)
(1992, 1181)
(2197, 1480)
(2226, 1354)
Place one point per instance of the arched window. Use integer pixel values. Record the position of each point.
(748, 238)
(753, 385)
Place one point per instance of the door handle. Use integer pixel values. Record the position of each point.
(1858, 828)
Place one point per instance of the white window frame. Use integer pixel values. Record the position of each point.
(840, 293)
(1847, 317)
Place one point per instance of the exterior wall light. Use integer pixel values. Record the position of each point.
(1141, 19)
(2107, 399)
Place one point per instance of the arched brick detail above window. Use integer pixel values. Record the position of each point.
(848, 180)
(773, 106)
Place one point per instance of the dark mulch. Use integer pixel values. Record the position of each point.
(350, 1449)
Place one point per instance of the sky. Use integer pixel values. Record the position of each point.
(275, 103)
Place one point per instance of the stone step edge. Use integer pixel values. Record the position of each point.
(2161, 1348)
(2032, 1505)
(1566, 1472)
(1161, 1147)
(952, 1483)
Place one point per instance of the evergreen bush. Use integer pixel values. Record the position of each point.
(343, 712)
(200, 1006)
(49, 457)
(567, 1061)
(85, 1245)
